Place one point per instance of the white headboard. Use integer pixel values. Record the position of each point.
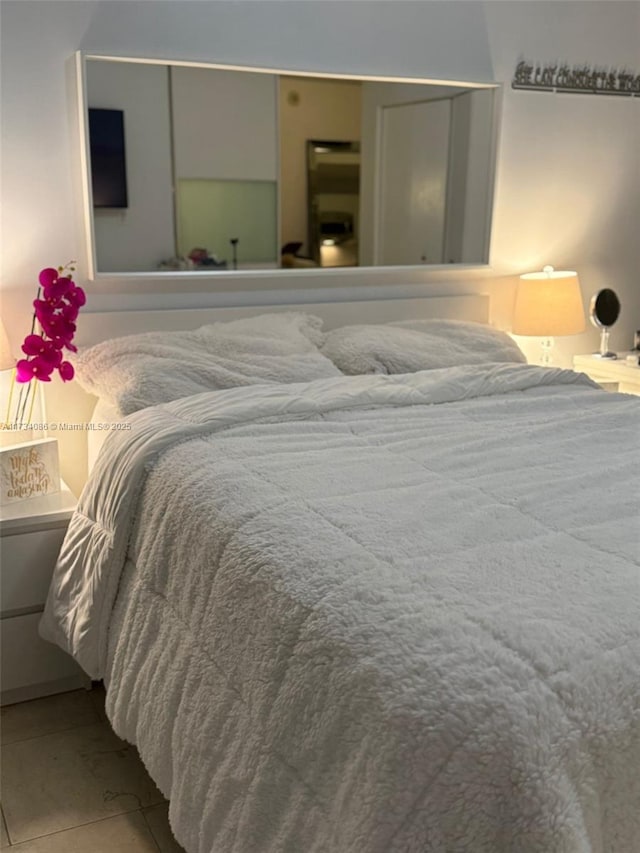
(69, 404)
(96, 327)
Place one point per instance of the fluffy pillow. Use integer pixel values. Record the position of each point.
(412, 345)
(137, 371)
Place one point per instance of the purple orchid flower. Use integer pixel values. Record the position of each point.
(66, 371)
(55, 291)
(76, 296)
(35, 345)
(56, 326)
(47, 276)
(56, 308)
(33, 368)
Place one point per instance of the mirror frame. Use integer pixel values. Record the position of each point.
(196, 281)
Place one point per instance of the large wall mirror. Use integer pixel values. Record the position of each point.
(220, 169)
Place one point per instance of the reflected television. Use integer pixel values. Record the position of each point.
(108, 162)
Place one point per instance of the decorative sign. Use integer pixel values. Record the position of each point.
(581, 80)
(29, 470)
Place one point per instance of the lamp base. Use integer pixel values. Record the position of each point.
(546, 352)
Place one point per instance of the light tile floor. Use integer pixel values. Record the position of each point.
(69, 785)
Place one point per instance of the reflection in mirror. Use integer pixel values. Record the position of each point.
(333, 187)
(234, 169)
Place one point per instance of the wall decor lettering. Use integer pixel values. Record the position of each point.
(582, 80)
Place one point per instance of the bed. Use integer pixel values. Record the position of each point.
(384, 612)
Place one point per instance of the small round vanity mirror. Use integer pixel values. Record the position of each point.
(604, 311)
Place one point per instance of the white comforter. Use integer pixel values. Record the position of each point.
(372, 615)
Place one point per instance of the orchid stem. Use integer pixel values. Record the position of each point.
(23, 402)
(11, 387)
(33, 319)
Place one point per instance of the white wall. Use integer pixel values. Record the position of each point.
(567, 184)
(141, 235)
(472, 175)
(215, 114)
(217, 153)
(567, 179)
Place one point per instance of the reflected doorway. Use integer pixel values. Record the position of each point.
(333, 191)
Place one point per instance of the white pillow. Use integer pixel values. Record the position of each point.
(104, 415)
(411, 345)
(137, 371)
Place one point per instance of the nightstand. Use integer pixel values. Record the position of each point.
(31, 533)
(614, 374)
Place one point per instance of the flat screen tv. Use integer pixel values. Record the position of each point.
(108, 164)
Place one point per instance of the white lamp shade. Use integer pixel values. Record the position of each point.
(7, 361)
(548, 304)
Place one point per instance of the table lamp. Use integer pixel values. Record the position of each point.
(7, 361)
(548, 304)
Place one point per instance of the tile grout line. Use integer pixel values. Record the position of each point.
(56, 732)
(151, 833)
(5, 825)
(88, 823)
(99, 718)
(102, 721)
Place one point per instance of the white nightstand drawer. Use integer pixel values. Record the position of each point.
(27, 561)
(28, 660)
